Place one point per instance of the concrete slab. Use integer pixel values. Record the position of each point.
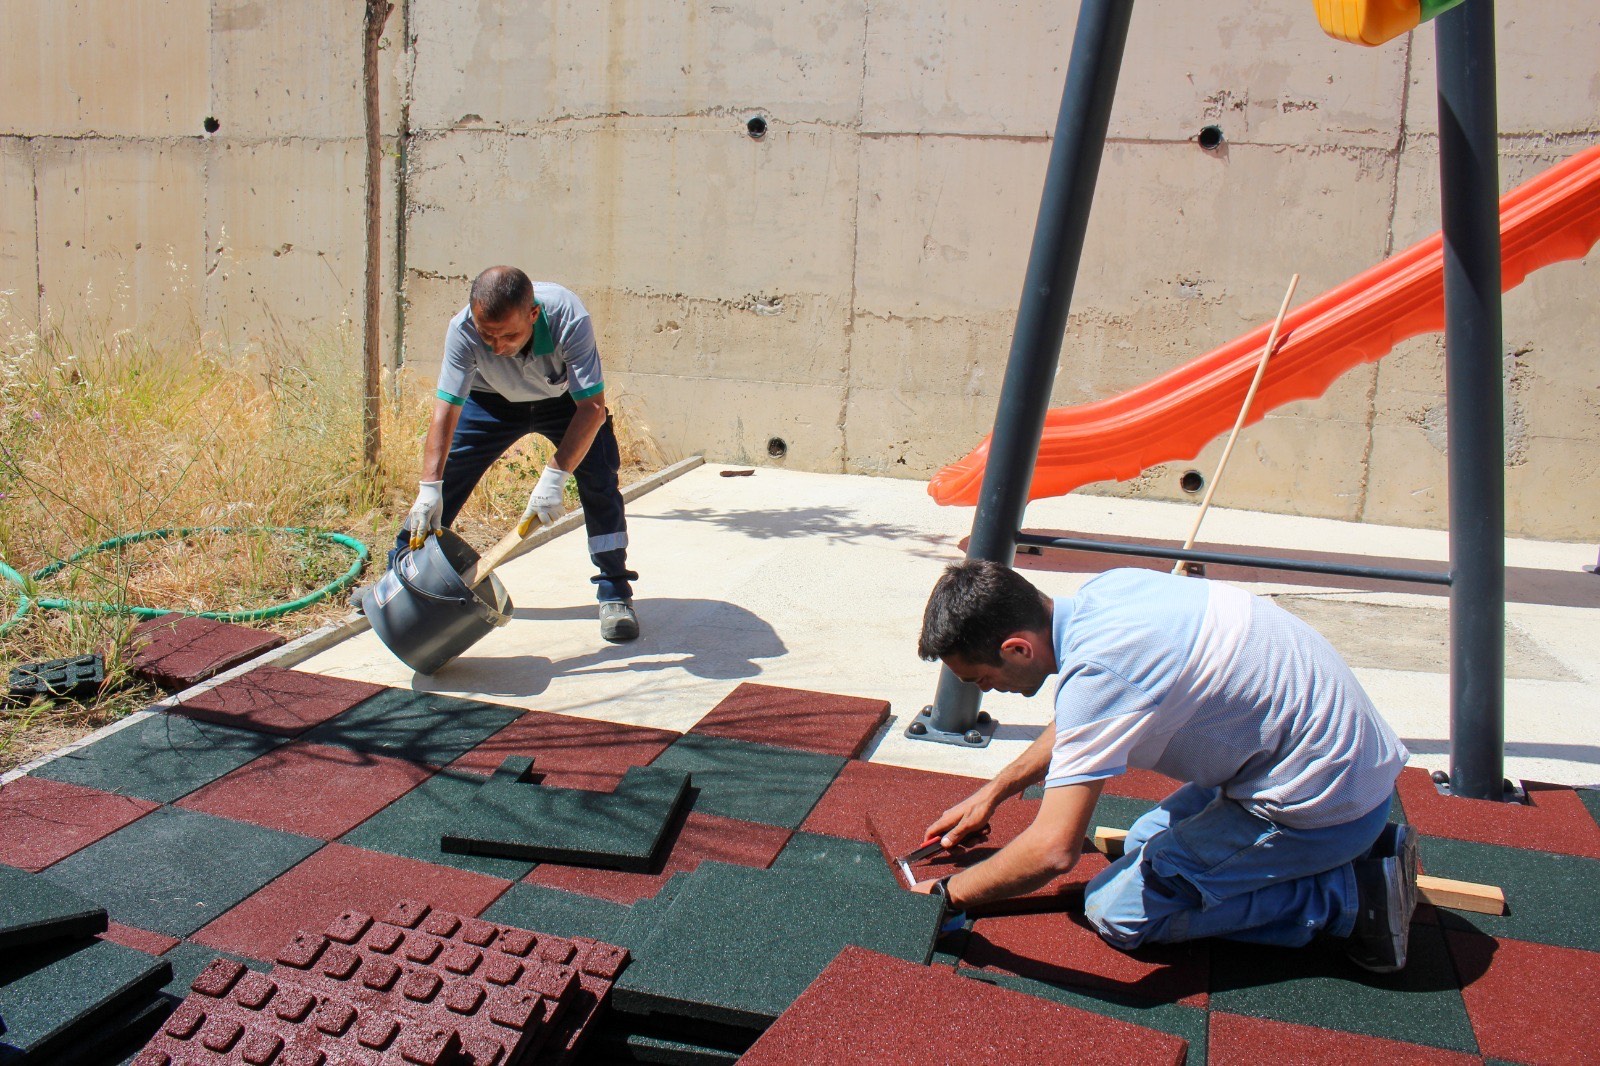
(818, 581)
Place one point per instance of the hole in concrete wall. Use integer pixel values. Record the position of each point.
(777, 447)
(756, 127)
(1192, 481)
(211, 124)
(1210, 138)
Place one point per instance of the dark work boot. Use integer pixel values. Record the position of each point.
(619, 623)
(1387, 887)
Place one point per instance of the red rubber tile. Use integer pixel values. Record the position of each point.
(1236, 1040)
(1011, 818)
(867, 1007)
(139, 939)
(1063, 949)
(43, 821)
(896, 796)
(270, 699)
(335, 879)
(176, 651)
(1529, 1003)
(316, 790)
(699, 838)
(796, 718)
(1556, 820)
(570, 752)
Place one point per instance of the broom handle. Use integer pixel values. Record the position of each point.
(1249, 398)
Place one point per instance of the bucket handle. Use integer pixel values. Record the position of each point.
(459, 601)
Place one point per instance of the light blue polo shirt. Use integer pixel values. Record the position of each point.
(1205, 683)
(561, 356)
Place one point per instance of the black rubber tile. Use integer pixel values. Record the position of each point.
(1550, 899)
(558, 913)
(159, 758)
(512, 817)
(121, 1037)
(623, 1046)
(174, 870)
(413, 825)
(1175, 1018)
(835, 859)
(55, 998)
(1317, 985)
(755, 782)
(417, 726)
(35, 909)
(737, 945)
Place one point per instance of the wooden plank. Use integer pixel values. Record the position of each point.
(1439, 891)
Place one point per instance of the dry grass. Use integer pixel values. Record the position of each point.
(104, 435)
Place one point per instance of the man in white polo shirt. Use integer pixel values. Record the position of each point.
(521, 358)
(1281, 831)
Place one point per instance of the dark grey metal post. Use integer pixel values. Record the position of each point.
(1041, 320)
(1469, 199)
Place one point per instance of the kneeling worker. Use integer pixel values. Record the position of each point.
(520, 358)
(1281, 832)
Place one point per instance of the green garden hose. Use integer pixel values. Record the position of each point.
(24, 602)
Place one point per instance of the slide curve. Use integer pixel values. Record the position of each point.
(1553, 217)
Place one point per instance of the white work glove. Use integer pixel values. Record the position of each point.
(545, 503)
(423, 518)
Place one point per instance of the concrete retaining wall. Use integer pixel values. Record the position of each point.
(847, 282)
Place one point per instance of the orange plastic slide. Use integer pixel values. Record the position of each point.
(1552, 218)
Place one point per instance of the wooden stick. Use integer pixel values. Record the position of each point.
(1249, 398)
(492, 558)
(1439, 891)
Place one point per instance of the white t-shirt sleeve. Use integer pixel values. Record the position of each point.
(1100, 718)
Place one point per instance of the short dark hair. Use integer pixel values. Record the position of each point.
(499, 291)
(974, 607)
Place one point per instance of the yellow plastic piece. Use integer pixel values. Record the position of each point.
(1368, 22)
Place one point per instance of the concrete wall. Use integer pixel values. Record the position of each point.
(848, 282)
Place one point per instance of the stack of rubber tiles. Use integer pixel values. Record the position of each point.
(65, 996)
(419, 986)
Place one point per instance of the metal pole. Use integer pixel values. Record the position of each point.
(1469, 200)
(1041, 318)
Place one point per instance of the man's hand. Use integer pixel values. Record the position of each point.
(545, 503)
(423, 518)
(965, 818)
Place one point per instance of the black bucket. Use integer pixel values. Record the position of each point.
(425, 613)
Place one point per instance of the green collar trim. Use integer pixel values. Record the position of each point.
(543, 343)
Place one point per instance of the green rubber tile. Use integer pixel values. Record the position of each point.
(51, 999)
(634, 931)
(755, 782)
(835, 859)
(159, 758)
(512, 817)
(738, 945)
(1550, 899)
(174, 870)
(188, 959)
(35, 909)
(557, 913)
(121, 1037)
(417, 726)
(1188, 1022)
(414, 824)
(1590, 798)
(1317, 985)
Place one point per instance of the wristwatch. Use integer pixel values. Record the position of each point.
(941, 888)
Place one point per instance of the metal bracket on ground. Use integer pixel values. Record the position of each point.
(922, 728)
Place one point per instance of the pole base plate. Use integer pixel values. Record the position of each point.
(977, 735)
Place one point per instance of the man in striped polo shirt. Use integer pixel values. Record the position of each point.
(521, 358)
(1281, 831)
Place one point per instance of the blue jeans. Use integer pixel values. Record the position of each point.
(1200, 865)
(491, 424)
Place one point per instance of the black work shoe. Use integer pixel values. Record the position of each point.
(1387, 888)
(619, 623)
(358, 598)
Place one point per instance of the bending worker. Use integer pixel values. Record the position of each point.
(1281, 832)
(520, 358)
